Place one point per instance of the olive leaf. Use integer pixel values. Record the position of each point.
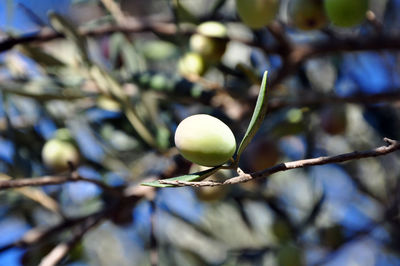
(198, 176)
(63, 26)
(257, 118)
(39, 56)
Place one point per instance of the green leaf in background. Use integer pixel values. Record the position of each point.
(183, 13)
(65, 27)
(257, 118)
(198, 176)
(40, 56)
(158, 50)
(114, 44)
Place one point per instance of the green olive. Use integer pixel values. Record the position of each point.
(205, 140)
(257, 13)
(307, 14)
(209, 42)
(57, 152)
(346, 13)
(192, 64)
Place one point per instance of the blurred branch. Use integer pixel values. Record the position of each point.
(295, 54)
(39, 96)
(38, 235)
(242, 177)
(116, 12)
(318, 99)
(41, 197)
(278, 31)
(55, 180)
(49, 35)
(62, 249)
(298, 52)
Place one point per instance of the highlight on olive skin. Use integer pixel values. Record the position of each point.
(345, 13)
(205, 140)
(307, 14)
(257, 13)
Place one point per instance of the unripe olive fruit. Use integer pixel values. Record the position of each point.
(346, 13)
(289, 255)
(60, 150)
(333, 120)
(282, 230)
(192, 64)
(257, 13)
(260, 154)
(212, 194)
(205, 140)
(209, 41)
(307, 14)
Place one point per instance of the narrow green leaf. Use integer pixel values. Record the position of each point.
(187, 178)
(40, 56)
(257, 118)
(114, 47)
(183, 13)
(63, 26)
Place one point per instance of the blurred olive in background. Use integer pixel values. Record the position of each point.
(59, 151)
(209, 41)
(345, 13)
(212, 194)
(260, 154)
(257, 13)
(307, 14)
(192, 64)
(333, 120)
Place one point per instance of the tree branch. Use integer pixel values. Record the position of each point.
(38, 235)
(242, 177)
(62, 249)
(299, 53)
(55, 180)
(318, 100)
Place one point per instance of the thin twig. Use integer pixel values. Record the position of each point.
(38, 235)
(303, 51)
(392, 146)
(277, 30)
(55, 180)
(62, 249)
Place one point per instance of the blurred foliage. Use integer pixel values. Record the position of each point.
(121, 96)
